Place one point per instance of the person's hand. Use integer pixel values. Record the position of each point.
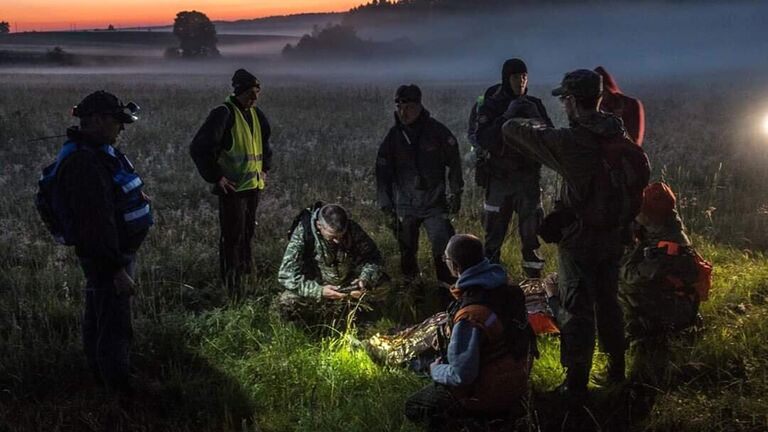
(454, 203)
(263, 175)
(123, 283)
(438, 360)
(330, 293)
(358, 293)
(146, 197)
(226, 185)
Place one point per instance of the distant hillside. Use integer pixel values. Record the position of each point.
(289, 25)
(125, 38)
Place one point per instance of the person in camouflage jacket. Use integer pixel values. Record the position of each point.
(658, 276)
(336, 264)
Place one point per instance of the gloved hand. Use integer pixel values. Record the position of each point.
(454, 203)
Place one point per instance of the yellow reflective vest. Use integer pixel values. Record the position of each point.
(242, 163)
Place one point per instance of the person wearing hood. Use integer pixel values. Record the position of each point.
(490, 351)
(231, 151)
(510, 179)
(629, 109)
(588, 254)
(412, 164)
(108, 216)
(659, 274)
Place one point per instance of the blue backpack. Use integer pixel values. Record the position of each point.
(134, 212)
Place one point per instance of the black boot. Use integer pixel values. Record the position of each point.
(532, 264)
(574, 388)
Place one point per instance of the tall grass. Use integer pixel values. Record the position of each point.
(205, 364)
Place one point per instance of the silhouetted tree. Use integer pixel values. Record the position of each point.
(111, 28)
(196, 34)
(4, 27)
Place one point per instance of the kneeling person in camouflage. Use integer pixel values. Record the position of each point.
(329, 260)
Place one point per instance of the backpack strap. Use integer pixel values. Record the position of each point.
(483, 318)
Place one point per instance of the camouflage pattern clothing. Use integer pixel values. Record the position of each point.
(304, 273)
(656, 291)
(588, 256)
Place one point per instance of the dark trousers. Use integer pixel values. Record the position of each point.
(237, 221)
(497, 213)
(435, 407)
(106, 326)
(588, 291)
(439, 231)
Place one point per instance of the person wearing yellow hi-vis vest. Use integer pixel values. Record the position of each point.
(231, 151)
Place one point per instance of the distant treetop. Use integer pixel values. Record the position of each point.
(196, 34)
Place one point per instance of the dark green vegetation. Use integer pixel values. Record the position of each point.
(196, 34)
(342, 41)
(203, 364)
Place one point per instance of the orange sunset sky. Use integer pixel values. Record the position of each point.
(26, 15)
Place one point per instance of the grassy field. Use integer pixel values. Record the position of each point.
(204, 364)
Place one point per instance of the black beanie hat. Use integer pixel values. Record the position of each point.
(243, 80)
(408, 93)
(512, 66)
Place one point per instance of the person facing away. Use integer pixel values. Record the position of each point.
(231, 151)
(108, 216)
(659, 274)
(489, 356)
(629, 109)
(327, 252)
(412, 164)
(510, 179)
(588, 253)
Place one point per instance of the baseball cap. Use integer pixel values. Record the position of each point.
(580, 83)
(103, 102)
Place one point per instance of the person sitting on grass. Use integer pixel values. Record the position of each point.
(329, 259)
(489, 356)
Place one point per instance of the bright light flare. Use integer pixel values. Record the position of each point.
(765, 124)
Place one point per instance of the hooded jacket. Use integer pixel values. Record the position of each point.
(576, 154)
(412, 164)
(486, 121)
(657, 289)
(630, 110)
(489, 349)
(646, 266)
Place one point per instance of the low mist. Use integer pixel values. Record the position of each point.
(637, 43)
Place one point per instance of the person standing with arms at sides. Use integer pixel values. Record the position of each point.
(412, 164)
(231, 151)
(91, 198)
